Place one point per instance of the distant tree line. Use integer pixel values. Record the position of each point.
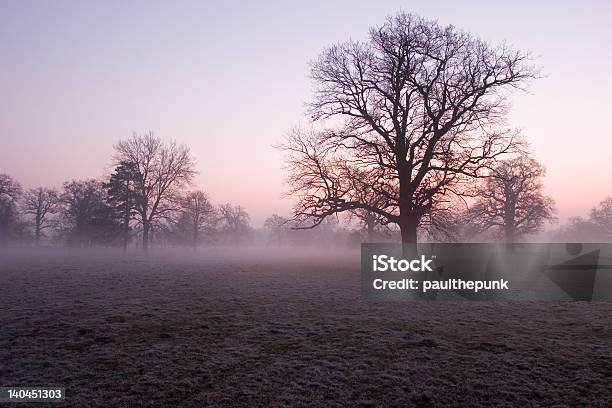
(146, 198)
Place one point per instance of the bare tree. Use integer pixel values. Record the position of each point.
(602, 215)
(40, 203)
(277, 228)
(375, 227)
(164, 168)
(597, 227)
(234, 224)
(511, 200)
(198, 216)
(579, 229)
(450, 226)
(417, 110)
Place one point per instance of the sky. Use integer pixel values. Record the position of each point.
(230, 78)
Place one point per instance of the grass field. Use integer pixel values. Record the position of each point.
(214, 329)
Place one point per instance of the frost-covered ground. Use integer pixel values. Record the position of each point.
(215, 330)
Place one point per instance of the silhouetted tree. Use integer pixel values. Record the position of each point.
(454, 225)
(277, 229)
(511, 200)
(602, 215)
(197, 218)
(579, 229)
(86, 218)
(39, 203)
(165, 167)
(124, 192)
(418, 109)
(597, 227)
(234, 224)
(10, 193)
(375, 227)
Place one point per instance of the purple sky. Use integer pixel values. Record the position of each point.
(230, 78)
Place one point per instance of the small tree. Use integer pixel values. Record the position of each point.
(511, 200)
(375, 227)
(198, 217)
(602, 215)
(10, 193)
(234, 224)
(277, 228)
(123, 191)
(39, 203)
(579, 229)
(596, 228)
(86, 218)
(164, 169)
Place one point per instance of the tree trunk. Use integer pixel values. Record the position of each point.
(145, 236)
(408, 228)
(408, 221)
(37, 232)
(126, 237)
(370, 224)
(195, 239)
(509, 223)
(509, 234)
(126, 224)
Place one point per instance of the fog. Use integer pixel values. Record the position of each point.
(257, 326)
(238, 255)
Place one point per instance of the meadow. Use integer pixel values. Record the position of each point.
(257, 328)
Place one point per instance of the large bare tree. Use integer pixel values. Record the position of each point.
(511, 200)
(164, 168)
(39, 203)
(409, 116)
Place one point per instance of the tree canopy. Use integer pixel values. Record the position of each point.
(404, 120)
